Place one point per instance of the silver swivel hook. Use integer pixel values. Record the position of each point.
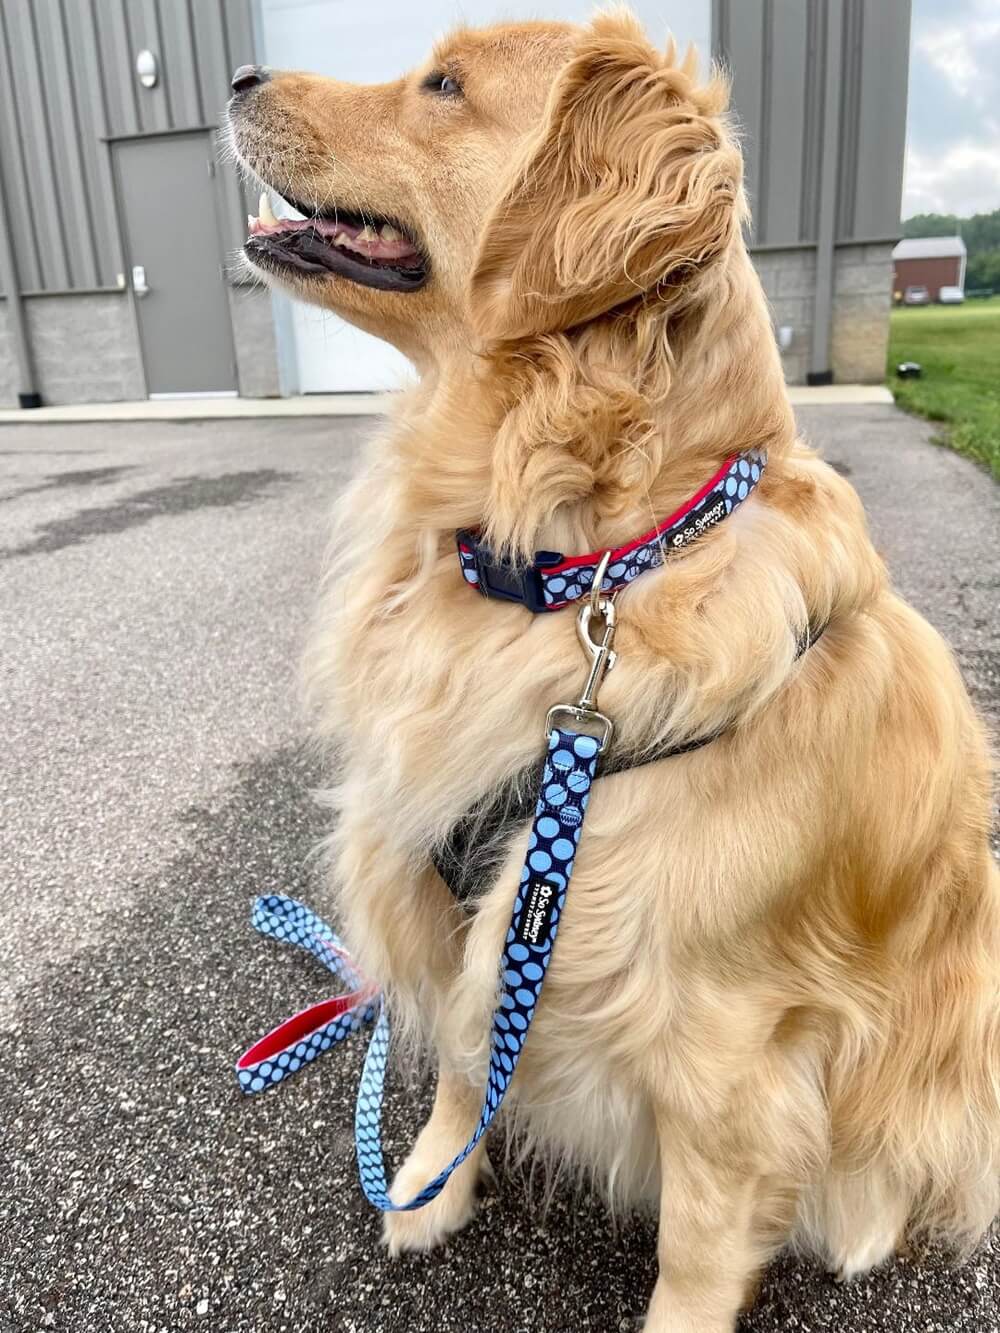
(600, 655)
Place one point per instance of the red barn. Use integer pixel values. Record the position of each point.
(928, 261)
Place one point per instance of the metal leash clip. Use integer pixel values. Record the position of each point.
(601, 656)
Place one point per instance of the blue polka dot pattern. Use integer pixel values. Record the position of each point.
(729, 489)
(568, 773)
(297, 1042)
(561, 581)
(468, 562)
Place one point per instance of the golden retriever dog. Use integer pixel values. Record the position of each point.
(772, 1010)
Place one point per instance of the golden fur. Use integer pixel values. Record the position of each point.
(774, 1002)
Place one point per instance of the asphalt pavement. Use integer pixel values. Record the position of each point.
(155, 584)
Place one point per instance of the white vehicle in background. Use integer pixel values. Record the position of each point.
(916, 296)
(951, 296)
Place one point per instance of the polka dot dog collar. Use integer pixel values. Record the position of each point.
(553, 581)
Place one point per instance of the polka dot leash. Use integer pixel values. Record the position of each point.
(567, 775)
(553, 581)
(570, 765)
(301, 1038)
(569, 770)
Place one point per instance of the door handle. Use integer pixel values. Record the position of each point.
(139, 285)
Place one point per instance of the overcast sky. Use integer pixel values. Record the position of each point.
(953, 129)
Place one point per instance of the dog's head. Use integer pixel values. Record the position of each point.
(529, 178)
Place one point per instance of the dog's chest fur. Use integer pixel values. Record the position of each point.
(444, 695)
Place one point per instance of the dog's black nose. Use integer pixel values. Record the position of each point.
(249, 76)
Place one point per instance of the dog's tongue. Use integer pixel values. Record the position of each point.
(386, 244)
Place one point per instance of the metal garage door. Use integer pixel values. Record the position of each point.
(372, 43)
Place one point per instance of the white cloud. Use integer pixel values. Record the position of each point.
(965, 179)
(961, 55)
(953, 131)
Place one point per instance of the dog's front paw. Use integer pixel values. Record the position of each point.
(667, 1314)
(431, 1225)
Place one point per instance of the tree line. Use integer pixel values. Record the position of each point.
(981, 234)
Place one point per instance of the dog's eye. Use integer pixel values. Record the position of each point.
(443, 84)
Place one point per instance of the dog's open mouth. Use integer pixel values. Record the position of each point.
(369, 250)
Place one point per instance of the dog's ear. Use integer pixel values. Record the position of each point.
(632, 184)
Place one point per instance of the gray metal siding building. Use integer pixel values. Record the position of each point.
(118, 224)
(75, 126)
(820, 89)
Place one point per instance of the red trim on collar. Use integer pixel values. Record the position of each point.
(618, 552)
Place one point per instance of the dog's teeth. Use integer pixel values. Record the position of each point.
(266, 212)
(389, 233)
(250, 221)
(367, 235)
(340, 239)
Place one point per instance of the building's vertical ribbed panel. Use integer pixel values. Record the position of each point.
(67, 85)
(778, 52)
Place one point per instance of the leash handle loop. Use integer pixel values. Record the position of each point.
(297, 1041)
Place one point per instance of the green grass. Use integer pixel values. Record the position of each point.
(959, 349)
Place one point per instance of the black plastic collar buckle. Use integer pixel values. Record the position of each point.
(511, 583)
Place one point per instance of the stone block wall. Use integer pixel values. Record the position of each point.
(254, 340)
(861, 304)
(789, 278)
(8, 367)
(84, 346)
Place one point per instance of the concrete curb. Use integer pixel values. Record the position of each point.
(328, 405)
